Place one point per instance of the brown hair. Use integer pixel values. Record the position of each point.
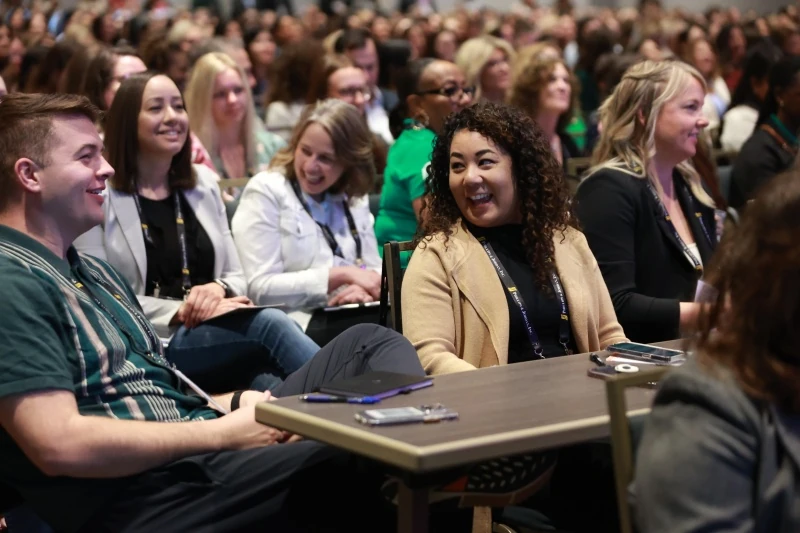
(290, 76)
(531, 78)
(100, 72)
(538, 180)
(352, 144)
(27, 121)
(122, 139)
(318, 88)
(752, 326)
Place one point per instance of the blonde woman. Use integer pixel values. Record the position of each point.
(643, 209)
(486, 63)
(221, 112)
(303, 230)
(544, 88)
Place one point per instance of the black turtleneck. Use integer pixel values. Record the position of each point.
(544, 310)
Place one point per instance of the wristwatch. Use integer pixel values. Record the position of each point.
(226, 288)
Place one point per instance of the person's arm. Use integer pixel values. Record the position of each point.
(428, 320)
(696, 464)
(259, 238)
(606, 207)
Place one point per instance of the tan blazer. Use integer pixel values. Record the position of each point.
(455, 311)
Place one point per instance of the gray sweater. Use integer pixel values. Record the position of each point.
(714, 459)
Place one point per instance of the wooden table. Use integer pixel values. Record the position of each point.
(503, 410)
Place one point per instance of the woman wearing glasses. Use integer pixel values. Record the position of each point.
(429, 90)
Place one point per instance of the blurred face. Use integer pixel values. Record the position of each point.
(679, 123)
(263, 48)
(243, 61)
(73, 177)
(704, 59)
(289, 30)
(381, 29)
(445, 46)
(496, 75)
(792, 45)
(790, 97)
(124, 67)
(178, 68)
(482, 181)
(441, 92)
(229, 99)
(556, 96)
(366, 59)
(5, 41)
(233, 30)
(16, 51)
(163, 122)
(315, 163)
(350, 85)
(738, 45)
(650, 50)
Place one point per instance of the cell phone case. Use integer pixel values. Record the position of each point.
(405, 415)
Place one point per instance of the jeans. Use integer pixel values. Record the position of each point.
(241, 351)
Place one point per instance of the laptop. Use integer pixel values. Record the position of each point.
(376, 384)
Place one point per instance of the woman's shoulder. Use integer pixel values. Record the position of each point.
(206, 178)
(270, 182)
(450, 247)
(610, 181)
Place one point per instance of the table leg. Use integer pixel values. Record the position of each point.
(412, 512)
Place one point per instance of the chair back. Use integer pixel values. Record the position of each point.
(621, 441)
(232, 183)
(391, 283)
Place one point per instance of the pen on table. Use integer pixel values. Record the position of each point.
(330, 398)
(594, 358)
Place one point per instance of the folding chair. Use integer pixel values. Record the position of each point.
(621, 442)
(391, 282)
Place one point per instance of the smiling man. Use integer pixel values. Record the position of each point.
(98, 432)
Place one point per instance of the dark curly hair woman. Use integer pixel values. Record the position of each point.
(500, 274)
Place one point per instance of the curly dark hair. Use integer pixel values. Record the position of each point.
(538, 180)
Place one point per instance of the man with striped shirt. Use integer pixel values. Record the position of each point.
(98, 432)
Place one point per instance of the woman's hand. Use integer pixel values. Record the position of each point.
(369, 280)
(200, 304)
(352, 294)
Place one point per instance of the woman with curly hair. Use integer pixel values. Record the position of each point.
(498, 217)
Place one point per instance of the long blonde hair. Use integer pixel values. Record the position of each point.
(627, 143)
(198, 97)
(473, 55)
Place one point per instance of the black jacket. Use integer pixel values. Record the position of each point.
(760, 158)
(642, 262)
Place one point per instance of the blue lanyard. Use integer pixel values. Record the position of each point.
(533, 337)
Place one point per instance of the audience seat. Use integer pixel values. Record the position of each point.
(391, 283)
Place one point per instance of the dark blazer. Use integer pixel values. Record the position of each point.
(643, 264)
(760, 158)
(714, 459)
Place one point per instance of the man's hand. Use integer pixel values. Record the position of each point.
(223, 306)
(240, 431)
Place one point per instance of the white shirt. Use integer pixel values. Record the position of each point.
(283, 252)
(377, 119)
(738, 125)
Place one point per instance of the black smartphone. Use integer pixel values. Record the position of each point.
(602, 372)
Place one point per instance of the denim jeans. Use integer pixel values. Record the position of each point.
(241, 351)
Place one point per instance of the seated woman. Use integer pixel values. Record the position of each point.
(496, 197)
(721, 448)
(701, 55)
(486, 64)
(304, 230)
(497, 217)
(336, 76)
(740, 120)
(647, 218)
(544, 89)
(429, 90)
(221, 112)
(166, 232)
(773, 146)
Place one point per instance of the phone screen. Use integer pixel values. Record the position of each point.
(645, 348)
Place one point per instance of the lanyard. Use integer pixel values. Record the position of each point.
(698, 266)
(154, 343)
(505, 277)
(186, 280)
(326, 230)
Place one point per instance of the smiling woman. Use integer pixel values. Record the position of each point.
(166, 231)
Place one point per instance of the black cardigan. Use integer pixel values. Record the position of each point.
(643, 264)
(760, 159)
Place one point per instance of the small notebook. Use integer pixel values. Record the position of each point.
(376, 384)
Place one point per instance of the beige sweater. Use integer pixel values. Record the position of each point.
(455, 311)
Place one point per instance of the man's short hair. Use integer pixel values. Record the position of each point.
(27, 127)
(352, 39)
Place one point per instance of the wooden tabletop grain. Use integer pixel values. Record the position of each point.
(503, 410)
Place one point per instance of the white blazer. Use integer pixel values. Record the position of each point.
(285, 256)
(119, 240)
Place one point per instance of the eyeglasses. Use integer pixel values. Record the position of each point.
(453, 92)
(352, 92)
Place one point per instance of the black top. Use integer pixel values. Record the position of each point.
(164, 258)
(643, 264)
(544, 310)
(760, 158)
